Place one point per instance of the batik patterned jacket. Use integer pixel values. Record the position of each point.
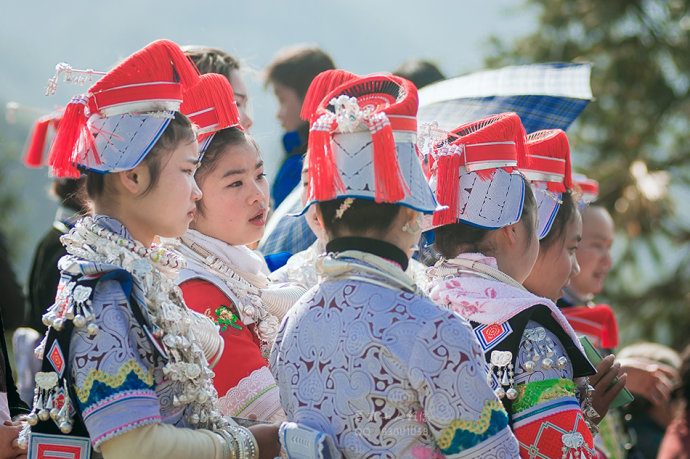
(534, 355)
(387, 373)
(117, 374)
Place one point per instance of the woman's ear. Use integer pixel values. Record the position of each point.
(135, 180)
(318, 216)
(410, 215)
(509, 234)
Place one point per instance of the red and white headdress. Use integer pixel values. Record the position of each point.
(39, 135)
(587, 188)
(116, 123)
(547, 166)
(320, 87)
(362, 144)
(210, 104)
(474, 173)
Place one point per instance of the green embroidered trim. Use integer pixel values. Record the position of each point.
(224, 317)
(534, 393)
(253, 399)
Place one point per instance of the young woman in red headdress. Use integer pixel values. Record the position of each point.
(123, 371)
(489, 240)
(224, 279)
(364, 356)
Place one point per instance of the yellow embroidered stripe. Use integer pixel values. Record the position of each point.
(476, 427)
(534, 393)
(115, 380)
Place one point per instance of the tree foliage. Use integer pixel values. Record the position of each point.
(634, 139)
(9, 197)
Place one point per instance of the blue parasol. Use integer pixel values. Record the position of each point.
(545, 96)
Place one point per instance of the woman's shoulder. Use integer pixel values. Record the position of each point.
(430, 317)
(198, 292)
(108, 287)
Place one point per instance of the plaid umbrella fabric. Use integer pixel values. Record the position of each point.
(545, 96)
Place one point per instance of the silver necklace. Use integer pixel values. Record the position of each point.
(152, 270)
(335, 266)
(248, 293)
(445, 267)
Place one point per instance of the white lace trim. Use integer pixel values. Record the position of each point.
(254, 397)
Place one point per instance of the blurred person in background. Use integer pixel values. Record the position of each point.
(11, 405)
(594, 259)
(676, 442)
(290, 74)
(652, 371)
(214, 60)
(420, 72)
(13, 307)
(45, 275)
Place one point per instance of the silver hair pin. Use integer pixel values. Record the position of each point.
(429, 135)
(74, 76)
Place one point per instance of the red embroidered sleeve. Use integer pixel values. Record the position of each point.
(242, 354)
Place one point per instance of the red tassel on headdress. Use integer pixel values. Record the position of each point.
(447, 184)
(69, 138)
(37, 145)
(390, 183)
(147, 65)
(321, 86)
(324, 180)
(552, 143)
(213, 90)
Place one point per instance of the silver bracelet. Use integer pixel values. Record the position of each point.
(249, 445)
(231, 442)
(224, 445)
(590, 414)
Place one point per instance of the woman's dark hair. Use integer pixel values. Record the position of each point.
(71, 193)
(566, 211)
(221, 140)
(361, 216)
(296, 66)
(419, 72)
(212, 60)
(179, 130)
(464, 238)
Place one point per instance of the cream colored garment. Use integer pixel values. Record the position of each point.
(164, 441)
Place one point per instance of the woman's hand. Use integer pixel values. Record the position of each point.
(604, 389)
(652, 380)
(267, 437)
(9, 449)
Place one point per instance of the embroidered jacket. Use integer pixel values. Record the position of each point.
(534, 357)
(386, 372)
(245, 385)
(116, 375)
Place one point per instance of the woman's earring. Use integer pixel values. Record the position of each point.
(415, 227)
